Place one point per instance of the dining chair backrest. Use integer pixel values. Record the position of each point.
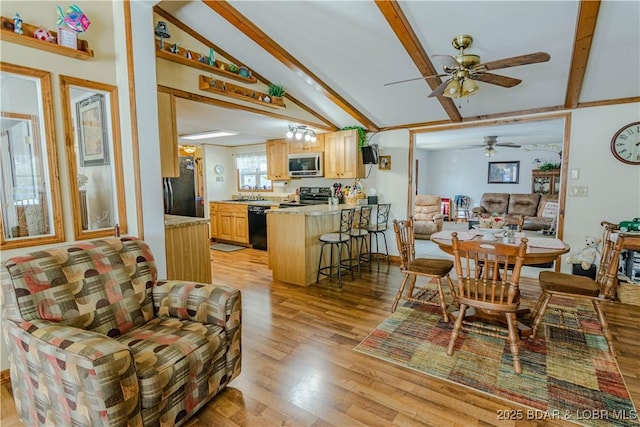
(612, 244)
(405, 240)
(488, 273)
(383, 216)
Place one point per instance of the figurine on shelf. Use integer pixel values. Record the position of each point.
(162, 31)
(44, 35)
(188, 55)
(212, 60)
(74, 19)
(204, 59)
(175, 48)
(17, 24)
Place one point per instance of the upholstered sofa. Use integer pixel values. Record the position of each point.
(539, 211)
(427, 217)
(94, 338)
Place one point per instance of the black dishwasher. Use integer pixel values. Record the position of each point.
(258, 227)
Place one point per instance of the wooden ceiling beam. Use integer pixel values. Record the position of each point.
(400, 25)
(585, 27)
(183, 27)
(245, 26)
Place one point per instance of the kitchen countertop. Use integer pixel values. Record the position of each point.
(176, 221)
(313, 210)
(249, 202)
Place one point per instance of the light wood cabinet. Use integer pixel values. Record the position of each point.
(307, 146)
(213, 220)
(168, 135)
(188, 255)
(545, 182)
(342, 156)
(278, 160)
(231, 222)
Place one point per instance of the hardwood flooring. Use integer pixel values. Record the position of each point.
(299, 367)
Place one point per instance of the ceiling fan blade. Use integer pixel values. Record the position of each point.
(515, 61)
(415, 78)
(507, 145)
(496, 79)
(440, 89)
(446, 60)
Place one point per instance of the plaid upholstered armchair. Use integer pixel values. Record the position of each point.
(94, 338)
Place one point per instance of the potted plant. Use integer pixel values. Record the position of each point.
(275, 94)
(549, 166)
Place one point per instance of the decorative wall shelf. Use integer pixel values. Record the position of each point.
(181, 58)
(82, 52)
(234, 91)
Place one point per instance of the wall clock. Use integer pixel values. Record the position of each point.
(625, 144)
(219, 169)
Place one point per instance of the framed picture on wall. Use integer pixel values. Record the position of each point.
(92, 131)
(503, 172)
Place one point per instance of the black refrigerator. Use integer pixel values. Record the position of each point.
(180, 192)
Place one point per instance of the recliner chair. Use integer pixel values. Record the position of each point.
(428, 217)
(93, 338)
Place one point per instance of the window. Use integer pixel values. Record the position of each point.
(252, 172)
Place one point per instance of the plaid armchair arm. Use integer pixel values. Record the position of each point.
(84, 377)
(204, 303)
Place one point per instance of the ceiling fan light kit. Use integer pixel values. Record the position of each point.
(464, 68)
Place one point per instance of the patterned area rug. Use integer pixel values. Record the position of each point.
(567, 371)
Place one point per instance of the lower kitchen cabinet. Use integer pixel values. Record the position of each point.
(232, 222)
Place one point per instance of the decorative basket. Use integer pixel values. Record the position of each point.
(356, 193)
(629, 293)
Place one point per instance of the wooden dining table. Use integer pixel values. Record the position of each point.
(540, 250)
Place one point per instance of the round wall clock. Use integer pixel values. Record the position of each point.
(219, 169)
(625, 144)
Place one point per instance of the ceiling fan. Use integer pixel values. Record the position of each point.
(463, 69)
(490, 142)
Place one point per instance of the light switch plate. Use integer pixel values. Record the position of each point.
(575, 173)
(219, 178)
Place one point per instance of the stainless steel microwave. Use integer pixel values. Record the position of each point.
(305, 165)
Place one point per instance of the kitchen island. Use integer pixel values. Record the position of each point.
(293, 240)
(188, 256)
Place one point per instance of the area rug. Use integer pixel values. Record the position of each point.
(567, 372)
(225, 247)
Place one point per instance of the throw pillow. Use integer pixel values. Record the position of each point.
(550, 210)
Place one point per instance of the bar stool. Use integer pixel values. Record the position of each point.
(360, 235)
(380, 228)
(339, 240)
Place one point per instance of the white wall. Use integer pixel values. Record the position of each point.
(464, 172)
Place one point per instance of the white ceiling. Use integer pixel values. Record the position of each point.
(350, 48)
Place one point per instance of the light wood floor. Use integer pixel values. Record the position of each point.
(299, 368)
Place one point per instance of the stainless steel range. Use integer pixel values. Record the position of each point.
(311, 196)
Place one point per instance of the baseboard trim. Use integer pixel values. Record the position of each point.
(4, 377)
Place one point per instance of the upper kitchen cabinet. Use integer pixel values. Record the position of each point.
(168, 135)
(307, 146)
(277, 159)
(342, 157)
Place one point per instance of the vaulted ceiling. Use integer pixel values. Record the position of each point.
(335, 57)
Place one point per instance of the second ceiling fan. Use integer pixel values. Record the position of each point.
(464, 69)
(490, 142)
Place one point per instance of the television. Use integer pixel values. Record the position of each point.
(370, 154)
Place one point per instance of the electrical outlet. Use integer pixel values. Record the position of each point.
(578, 191)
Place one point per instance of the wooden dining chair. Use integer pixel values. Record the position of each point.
(600, 290)
(412, 267)
(492, 296)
